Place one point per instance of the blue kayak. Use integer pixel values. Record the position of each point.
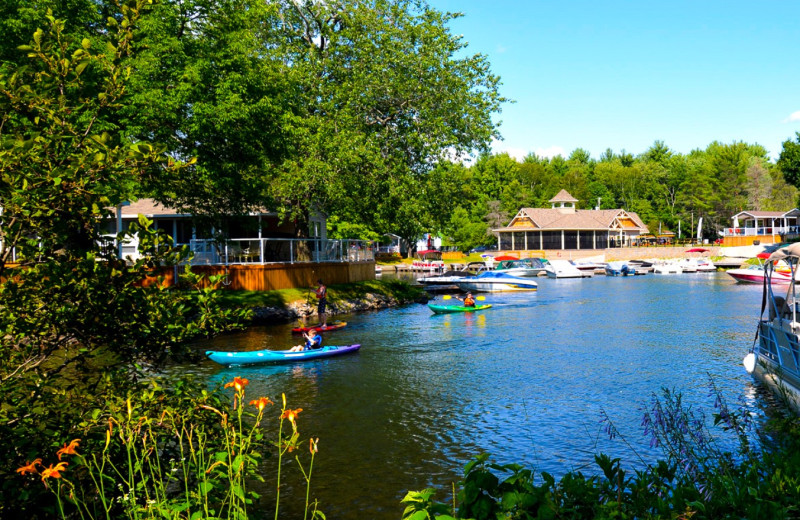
(255, 357)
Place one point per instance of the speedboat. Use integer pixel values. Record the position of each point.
(494, 281)
(775, 357)
(619, 269)
(666, 267)
(530, 267)
(565, 269)
(781, 273)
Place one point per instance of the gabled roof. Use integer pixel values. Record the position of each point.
(768, 214)
(563, 196)
(150, 208)
(582, 219)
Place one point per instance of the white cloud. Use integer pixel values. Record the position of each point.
(794, 116)
(517, 154)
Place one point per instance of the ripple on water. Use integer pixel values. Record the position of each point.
(527, 381)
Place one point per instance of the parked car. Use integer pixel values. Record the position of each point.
(479, 249)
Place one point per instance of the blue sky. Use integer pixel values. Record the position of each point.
(621, 75)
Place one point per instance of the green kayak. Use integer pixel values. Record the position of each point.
(441, 309)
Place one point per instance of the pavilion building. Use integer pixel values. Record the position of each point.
(564, 227)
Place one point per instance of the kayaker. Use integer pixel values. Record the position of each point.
(313, 342)
(322, 302)
(468, 300)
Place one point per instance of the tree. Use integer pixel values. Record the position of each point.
(789, 161)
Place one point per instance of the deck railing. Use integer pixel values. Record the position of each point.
(279, 250)
(753, 231)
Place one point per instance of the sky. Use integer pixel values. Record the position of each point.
(623, 74)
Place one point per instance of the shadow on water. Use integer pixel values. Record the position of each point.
(526, 381)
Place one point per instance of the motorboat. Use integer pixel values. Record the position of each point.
(619, 269)
(495, 281)
(565, 269)
(666, 267)
(775, 356)
(755, 274)
(525, 267)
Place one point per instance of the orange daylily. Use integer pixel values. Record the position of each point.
(30, 467)
(54, 470)
(238, 383)
(261, 403)
(312, 445)
(291, 414)
(68, 449)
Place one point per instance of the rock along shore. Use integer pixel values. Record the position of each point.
(301, 309)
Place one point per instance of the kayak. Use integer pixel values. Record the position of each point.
(319, 328)
(255, 357)
(441, 309)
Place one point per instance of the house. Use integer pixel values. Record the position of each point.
(563, 226)
(764, 227)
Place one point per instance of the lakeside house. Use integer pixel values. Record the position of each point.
(564, 227)
(254, 252)
(762, 227)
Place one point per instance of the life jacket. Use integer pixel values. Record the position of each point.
(321, 292)
(469, 302)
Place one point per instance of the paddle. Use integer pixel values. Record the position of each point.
(448, 297)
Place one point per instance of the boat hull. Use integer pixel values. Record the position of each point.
(444, 309)
(333, 326)
(495, 287)
(259, 357)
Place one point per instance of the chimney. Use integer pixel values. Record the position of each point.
(598, 204)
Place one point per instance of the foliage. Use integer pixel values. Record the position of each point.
(695, 479)
(789, 161)
(139, 458)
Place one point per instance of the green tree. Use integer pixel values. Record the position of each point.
(789, 161)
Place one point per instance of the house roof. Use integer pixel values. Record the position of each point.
(542, 219)
(563, 196)
(768, 214)
(151, 208)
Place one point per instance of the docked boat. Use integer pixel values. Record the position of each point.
(493, 281)
(775, 355)
(666, 267)
(257, 357)
(619, 269)
(781, 274)
(446, 309)
(525, 267)
(319, 328)
(565, 269)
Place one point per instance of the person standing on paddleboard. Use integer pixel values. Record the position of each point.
(322, 302)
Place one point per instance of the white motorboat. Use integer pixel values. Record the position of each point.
(494, 281)
(446, 278)
(565, 269)
(525, 267)
(665, 267)
(619, 269)
(775, 356)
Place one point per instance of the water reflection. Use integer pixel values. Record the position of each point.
(528, 381)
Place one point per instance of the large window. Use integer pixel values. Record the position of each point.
(505, 241)
(586, 239)
(551, 239)
(570, 240)
(601, 240)
(519, 240)
(533, 240)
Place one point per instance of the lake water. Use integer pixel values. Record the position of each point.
(526, 381)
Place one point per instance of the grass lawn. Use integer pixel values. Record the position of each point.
(398, 289)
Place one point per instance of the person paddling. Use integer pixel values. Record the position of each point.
(313, 342)
(322, 302)
(468, 300)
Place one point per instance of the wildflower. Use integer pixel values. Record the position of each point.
(312, 445)
(238, 383)
(68, 449)
(30, 467)
(54, 470)
(291, 415)
(261, 403)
